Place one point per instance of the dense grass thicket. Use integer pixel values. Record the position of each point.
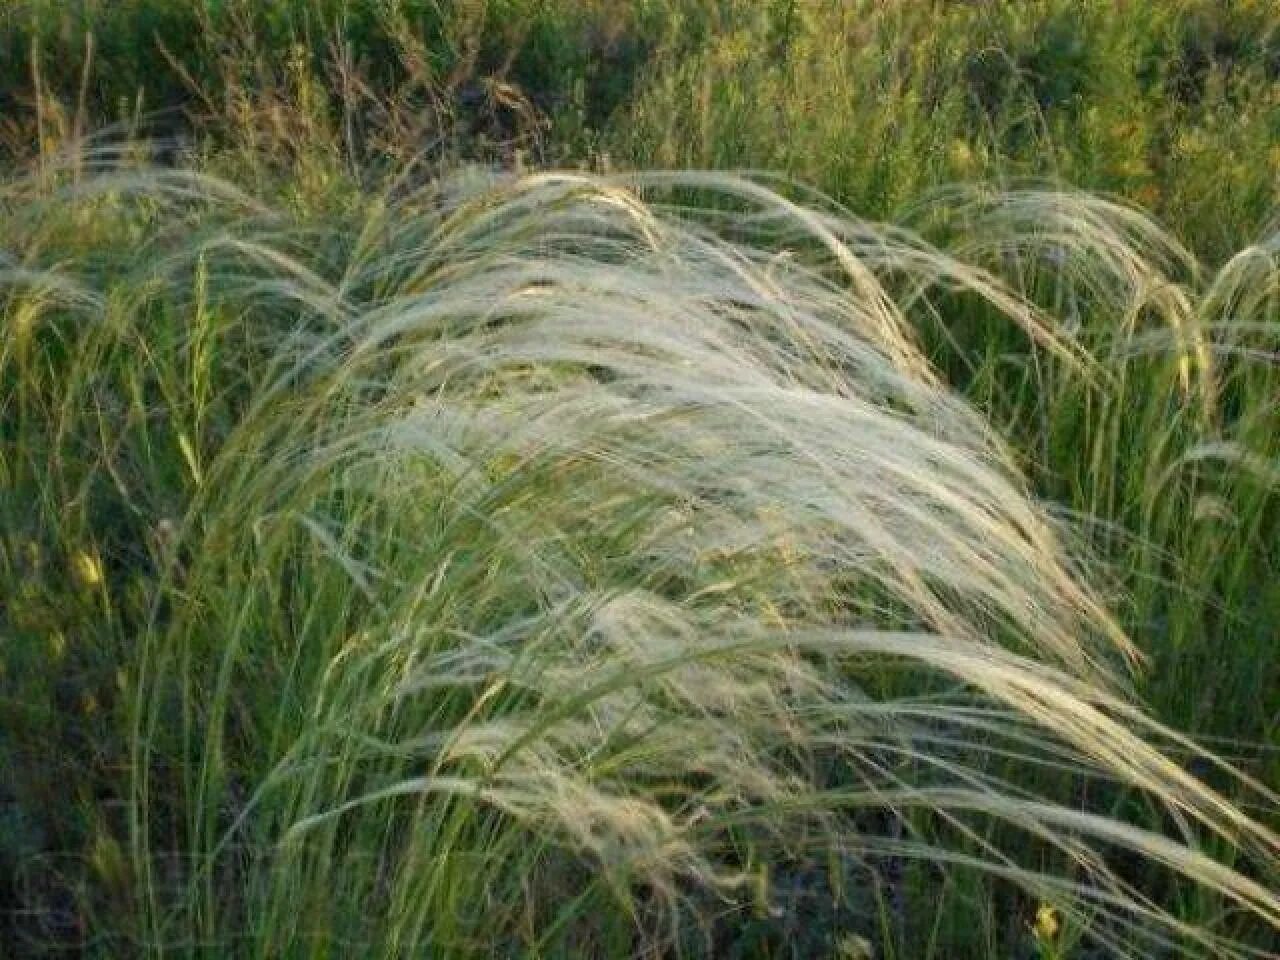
(1174, 104)
(407, 549)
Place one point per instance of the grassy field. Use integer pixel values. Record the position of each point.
(680, 478)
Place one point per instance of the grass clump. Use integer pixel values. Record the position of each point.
(668, 563)
(549, 564)
(938, 116)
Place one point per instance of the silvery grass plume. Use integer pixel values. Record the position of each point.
(557, 547)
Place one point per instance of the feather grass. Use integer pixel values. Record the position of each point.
(552, 548)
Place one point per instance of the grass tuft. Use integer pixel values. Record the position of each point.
(536, 564)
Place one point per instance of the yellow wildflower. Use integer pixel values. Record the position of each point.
(87, 569)
(1047, 924)
(961, 156)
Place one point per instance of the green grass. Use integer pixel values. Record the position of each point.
(404, 562)
(1174, 104)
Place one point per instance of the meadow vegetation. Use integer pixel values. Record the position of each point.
(680, 478)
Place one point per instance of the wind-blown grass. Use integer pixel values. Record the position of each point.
(506, 565)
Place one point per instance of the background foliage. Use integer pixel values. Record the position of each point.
(1165, 456)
